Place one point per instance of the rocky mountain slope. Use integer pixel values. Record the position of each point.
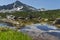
(18, 5)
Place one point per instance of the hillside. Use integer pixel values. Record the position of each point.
(42, 14)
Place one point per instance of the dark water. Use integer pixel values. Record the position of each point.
(44, 28)
(5, 24)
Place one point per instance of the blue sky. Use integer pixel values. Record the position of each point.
(47, 4)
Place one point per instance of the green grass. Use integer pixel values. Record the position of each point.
(13, 35)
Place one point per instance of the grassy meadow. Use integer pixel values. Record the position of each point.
(13, 35)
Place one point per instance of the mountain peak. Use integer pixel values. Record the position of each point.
(17, 1)
(17, 4)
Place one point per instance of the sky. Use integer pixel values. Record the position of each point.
(47, 4)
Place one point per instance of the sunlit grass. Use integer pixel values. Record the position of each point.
(13, 35)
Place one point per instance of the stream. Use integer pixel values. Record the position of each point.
(36, 29)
